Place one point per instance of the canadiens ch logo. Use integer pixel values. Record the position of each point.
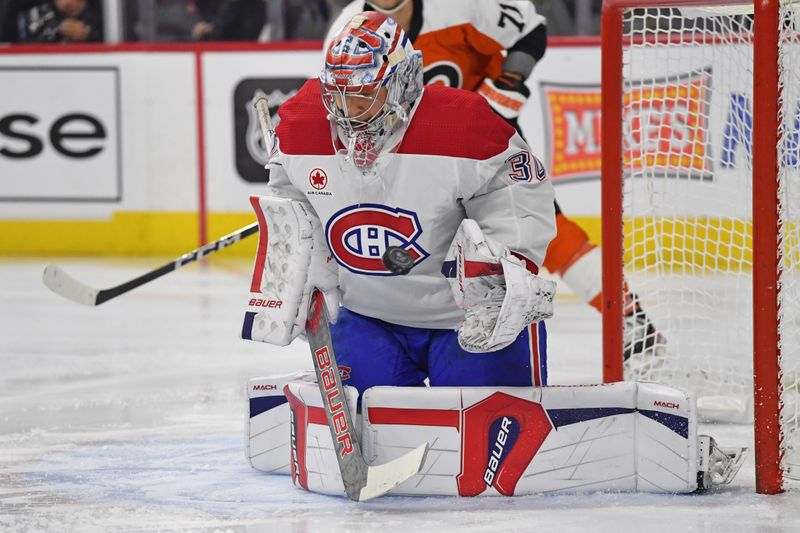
(318, 179)
(358, 235)
(359, 51)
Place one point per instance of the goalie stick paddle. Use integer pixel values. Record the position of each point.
(361, 481)
(65, 285)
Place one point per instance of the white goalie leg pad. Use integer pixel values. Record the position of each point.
(267, 443)
(500, 296)
(291, 260)
(312, 458)
(516, 441)
(667, 458)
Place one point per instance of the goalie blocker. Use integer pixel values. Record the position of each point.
(495, 441)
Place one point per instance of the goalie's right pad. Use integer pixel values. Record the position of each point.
(288, 432)
(268, 421)
(292, 259)
(500, 296)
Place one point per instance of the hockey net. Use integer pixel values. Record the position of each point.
(685, 133)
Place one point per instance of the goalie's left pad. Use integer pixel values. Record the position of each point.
(507, 441)
(500, 296)
(291, 260)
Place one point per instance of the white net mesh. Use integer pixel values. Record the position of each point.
(789, 237)
(687, 124)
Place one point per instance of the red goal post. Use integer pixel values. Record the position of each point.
(765, 220)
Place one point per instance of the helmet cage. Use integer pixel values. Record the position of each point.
(372, 115)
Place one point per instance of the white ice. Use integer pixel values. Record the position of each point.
(129, 417)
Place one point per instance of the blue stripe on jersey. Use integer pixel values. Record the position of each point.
(542, 337)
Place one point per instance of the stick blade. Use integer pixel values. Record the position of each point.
(65, 285)
(383, 478)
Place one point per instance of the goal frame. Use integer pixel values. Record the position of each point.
(766, 95)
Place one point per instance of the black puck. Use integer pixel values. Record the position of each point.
(398, 260)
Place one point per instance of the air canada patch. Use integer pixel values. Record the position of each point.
(318, 179)
(358, 235)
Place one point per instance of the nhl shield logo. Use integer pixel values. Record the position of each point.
(318, 179)
(251, 154)
(255, 137)
(359, 235)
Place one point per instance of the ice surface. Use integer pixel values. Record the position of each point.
(129, 417)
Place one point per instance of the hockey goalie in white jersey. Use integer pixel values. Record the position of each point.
(366, 159)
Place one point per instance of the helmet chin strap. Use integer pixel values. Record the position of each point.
(392, 11)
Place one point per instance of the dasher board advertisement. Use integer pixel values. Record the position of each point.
(60, 134)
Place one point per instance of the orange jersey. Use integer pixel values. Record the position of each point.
(462, 41)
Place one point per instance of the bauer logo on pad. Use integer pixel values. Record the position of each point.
(503, 434)
(498, 447)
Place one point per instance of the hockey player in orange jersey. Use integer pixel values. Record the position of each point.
(491, 47)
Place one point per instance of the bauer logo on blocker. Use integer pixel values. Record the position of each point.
(358, 235)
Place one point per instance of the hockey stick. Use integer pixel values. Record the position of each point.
(361, 481)
(65, 285)
(58, 281)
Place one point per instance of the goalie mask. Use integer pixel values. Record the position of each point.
(371, 79)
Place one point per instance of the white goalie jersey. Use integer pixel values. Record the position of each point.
(427, 180)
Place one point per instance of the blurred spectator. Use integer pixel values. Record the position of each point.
(573, 17)
(228, 20)
(53, 21)
(7, 21)
(174, 20)
(224, 20)
(298, 19)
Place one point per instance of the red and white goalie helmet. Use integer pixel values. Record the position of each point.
(371, 79)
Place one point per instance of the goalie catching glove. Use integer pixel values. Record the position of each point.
(292, 259)
(500, 296)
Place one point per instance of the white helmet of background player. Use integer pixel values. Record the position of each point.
(371, 79)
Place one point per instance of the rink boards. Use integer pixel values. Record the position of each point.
(147, 150)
